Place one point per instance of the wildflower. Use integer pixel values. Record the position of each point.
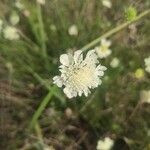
(42, 2)
(53, 27)
(10, 33)
(139, 73)
(19, 5)
(145, 96)
(14, 18)
(79, 75)
(26, 13)
(114, 63)
(1, 25)
(73, 30)
(103, 50)
(147, 64)
(107, 3)
(105, 144)
(9, 67)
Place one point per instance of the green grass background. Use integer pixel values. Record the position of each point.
(27, 66)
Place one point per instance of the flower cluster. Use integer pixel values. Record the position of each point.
(145, 96)
(105, 144)
(78, 74)
(73, 30)
(10, 33)
(103, 50)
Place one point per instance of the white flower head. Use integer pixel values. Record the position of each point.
(19, 5)
(107, 3)
(105, 144)
(73, 30)
(145, 96)
(53, 27)
(14, 18)
(10, 33)
(79, 75)
(42, 2)
(147, 64)
(115, 62)
(103, 50)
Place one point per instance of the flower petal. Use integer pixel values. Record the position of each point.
(78, 57)
(64, 59)
(58, 81)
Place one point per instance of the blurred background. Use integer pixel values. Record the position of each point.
(33, 35)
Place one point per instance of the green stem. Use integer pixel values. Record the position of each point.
(45, 84)
(114, 30)
(41, 108)
(42, 34)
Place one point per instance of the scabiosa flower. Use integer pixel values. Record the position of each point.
(103, 50)
(42, 2)
(105, 144)
(147, 64)
(14, 18)
(79, 75)
(10, 33)
(19, 5)
(107, 3)
(73, 30)
(145, 96)
(115, 62)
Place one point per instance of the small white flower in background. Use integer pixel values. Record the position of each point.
(10, 33)
(26, 13)
(42, 2)
(115, 62)
(19, 5)
(103, 50)
(145, 96)
(147, 64)
(53, 27)
(107, 3)
(105, 144)
(14, 18)
(73, 30)
(79, 75)
(1, 25)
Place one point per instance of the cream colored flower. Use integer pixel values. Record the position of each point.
(10, 33)
(73, 30)
(107, 3)
(14, 18)
(147, 64)
(19, 5)
(105, 144)
(115, 62)
(53, 27)
(145, 96)
(103, 50)
(79, 75)
(42, 2)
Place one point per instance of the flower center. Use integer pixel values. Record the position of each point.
(104, 48)
(82, 77)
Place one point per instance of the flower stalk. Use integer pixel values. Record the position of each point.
(115, 30)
